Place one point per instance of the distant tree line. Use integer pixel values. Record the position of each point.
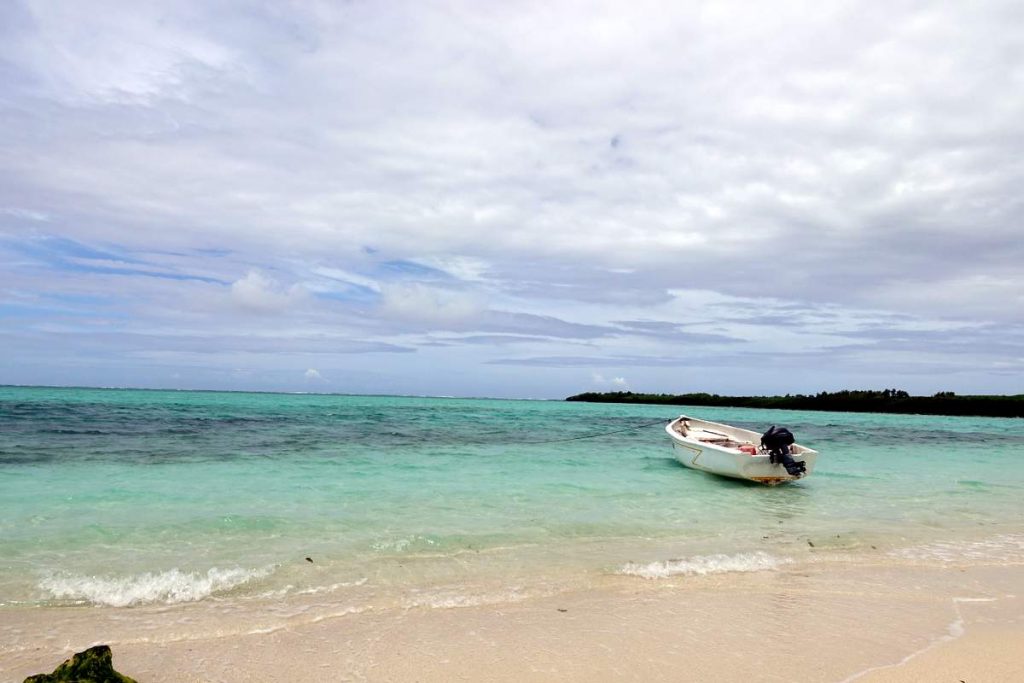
(885, 401)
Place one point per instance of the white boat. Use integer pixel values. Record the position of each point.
(732, 452)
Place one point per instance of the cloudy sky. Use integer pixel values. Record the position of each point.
(524, 199)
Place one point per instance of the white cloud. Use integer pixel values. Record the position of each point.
(37, 216)
(113, 53)
(463, 268)
(612, 384)
(259, 293)
(313, 375)
(346, 277)
(424, 303)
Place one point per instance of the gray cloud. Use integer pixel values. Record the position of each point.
(594, 361)
(499, 339)
(673, 332)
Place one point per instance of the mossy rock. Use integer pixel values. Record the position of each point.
(90, 666)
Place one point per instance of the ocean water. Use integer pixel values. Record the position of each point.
(117, 498)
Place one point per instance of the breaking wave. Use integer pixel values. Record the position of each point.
(166, 588)
(704, 564)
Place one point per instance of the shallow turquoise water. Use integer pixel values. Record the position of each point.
(127, 497)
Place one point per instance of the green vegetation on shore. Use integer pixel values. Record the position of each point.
(886, 401)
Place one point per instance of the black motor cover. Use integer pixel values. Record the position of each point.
(777, 437)
(777, 441)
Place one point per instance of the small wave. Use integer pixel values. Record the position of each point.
(454, 599)
(79, 432)
(704, 564)
(973, 483)
(845, 475)
(984, 485)
(400, 545)
(1004, 548)
(167, 588)
(333, 587)
(315, 590)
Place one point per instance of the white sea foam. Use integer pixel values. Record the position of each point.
(400, 545)
(333, 587)
(701, 565)
(315, 590)
(168, 587)
(449, 599)
(1003, 548)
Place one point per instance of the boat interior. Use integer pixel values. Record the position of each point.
(696, 430)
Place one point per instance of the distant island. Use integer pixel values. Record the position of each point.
(885, 401)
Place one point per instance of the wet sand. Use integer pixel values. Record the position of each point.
(985, 653)
(831, 621)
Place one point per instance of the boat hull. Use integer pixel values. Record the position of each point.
(726, 461)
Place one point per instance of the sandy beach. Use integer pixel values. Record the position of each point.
(833, 622)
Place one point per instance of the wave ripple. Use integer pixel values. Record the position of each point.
(701, 565)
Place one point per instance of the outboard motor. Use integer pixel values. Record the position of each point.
(777, 442)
